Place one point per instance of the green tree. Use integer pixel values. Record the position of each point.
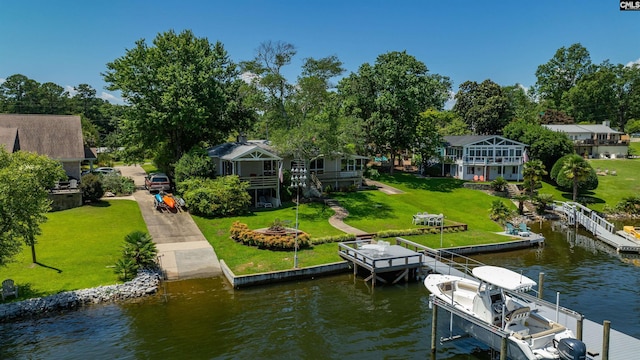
(521, 103)
(500, 212)
(25, 180)
(561, 73)
(19, 95)
(195, 163)
(532, 174)
(484, 107)
(389, 97)
(574, 172)
(544, 144)
(428, 138)
(593, 98)
(182, 91)
(632, 126)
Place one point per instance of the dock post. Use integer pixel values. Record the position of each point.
(540, 285)
(434, 330)
(606, 329)
(503, 349)
(579, 327)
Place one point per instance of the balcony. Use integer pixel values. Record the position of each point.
(490, 160)
(595, 142)
(261, 182)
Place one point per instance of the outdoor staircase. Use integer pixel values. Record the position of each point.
(528, 209)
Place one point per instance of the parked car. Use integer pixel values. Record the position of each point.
(157, 182)
(106, 170)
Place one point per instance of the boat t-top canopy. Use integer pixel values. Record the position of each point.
(503, 278)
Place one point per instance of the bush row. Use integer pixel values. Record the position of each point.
(240, 232)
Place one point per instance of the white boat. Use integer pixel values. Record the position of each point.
(491, 300)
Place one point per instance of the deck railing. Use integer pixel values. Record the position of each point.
(261, 182)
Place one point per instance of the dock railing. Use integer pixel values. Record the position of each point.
(352, 250)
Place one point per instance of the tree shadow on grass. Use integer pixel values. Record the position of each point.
(99, 203)
(48, 267)
(429, 184)
(362, 206)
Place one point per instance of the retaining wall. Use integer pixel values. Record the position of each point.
(285, 275)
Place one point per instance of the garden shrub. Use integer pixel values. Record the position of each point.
(223, 196)
(195, 163)
(590, 183)
(240, 232)
(117, 184)
(139, 252)
(91, 187)
(629, 205)
(333, 239)
(499, 184)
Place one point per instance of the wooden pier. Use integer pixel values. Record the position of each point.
(381, 258)
(603, 230)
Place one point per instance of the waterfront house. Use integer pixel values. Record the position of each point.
(596, 141)
(258, 163)
(482, 157)
(57, 136)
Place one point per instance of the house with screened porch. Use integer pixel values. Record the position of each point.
(482, 157)
(258, 163)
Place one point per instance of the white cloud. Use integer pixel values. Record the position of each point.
(111, 98)
(632, 63)
(71, 90)
(249, 77)
(2, 80)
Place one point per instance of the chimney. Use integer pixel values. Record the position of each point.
(606, 123)
(242, 138)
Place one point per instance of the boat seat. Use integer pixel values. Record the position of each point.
(515, 321)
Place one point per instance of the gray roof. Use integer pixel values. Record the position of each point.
(235, 150)
(462, 140)
(588, 129)
(9, 138)
(57, 136)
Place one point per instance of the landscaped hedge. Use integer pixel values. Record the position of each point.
(333, 239)
(241, 233)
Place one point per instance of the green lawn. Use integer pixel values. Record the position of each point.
(76, 250)
(370, 211)
(611, 189)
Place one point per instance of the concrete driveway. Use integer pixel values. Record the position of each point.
(182, 249)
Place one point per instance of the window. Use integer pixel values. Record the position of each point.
(471, 170)
(268, 167)
(514, 169)
(317, 166)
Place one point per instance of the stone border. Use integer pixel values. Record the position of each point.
(146, 283)
(284, 275)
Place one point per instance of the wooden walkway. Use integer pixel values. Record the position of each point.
(597, 225)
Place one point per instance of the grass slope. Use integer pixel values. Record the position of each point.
(77, 249)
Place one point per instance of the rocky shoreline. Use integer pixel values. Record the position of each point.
(146, 283)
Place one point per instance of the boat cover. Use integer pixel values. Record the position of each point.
(503, 278)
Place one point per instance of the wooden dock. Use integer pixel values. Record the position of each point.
(381, 258)
(597, 225)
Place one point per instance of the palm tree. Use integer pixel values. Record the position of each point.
(140, 248)
(532, 173)
(577, 169)
(500, 212)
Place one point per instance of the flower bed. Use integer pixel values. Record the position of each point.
(283, 239)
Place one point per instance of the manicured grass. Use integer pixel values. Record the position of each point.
(611, 188)
(242, 259)
(77, 249)
(370, 211)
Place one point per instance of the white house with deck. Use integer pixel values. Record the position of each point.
(482, 157)
(596, 141)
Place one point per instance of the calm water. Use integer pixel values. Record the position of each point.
(336, 317)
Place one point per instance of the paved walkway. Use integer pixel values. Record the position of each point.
(389, 190)
(182, 249)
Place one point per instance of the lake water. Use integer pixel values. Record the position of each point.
(335, 317)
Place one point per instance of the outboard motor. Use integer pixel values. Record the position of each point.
(572, 349)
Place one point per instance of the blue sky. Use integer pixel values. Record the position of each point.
(69, 42)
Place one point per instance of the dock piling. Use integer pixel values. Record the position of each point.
(606, 330)
(434, 330)
(540, 285)
(503, 349)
